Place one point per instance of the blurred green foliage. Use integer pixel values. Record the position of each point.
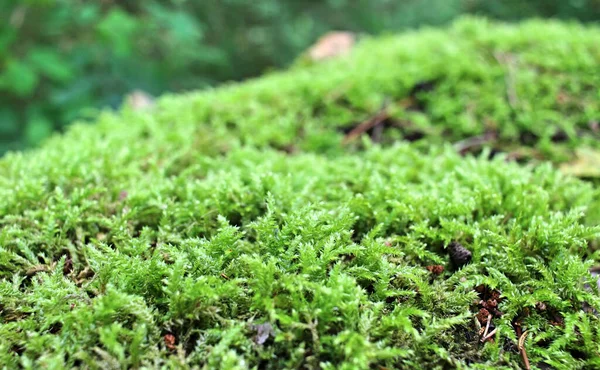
(60, 60)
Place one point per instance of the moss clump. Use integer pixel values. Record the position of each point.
(529, 90)
(191, 237)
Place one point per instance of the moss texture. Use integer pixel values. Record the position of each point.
(235, 228)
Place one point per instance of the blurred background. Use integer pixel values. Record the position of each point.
(63, 60)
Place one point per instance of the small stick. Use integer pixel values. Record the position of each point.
(490, 334)
(487, 326)
(368, 124)
(463, 146)
(522, 349)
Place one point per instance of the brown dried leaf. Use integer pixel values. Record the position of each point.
(331, 45)
(435, 269)
(170, 341)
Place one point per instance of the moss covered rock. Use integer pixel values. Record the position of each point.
(288, 223)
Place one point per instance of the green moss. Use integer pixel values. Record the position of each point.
(533, 87)
(189, 236)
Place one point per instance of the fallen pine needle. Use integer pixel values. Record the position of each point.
(522, 349)
(487, 326)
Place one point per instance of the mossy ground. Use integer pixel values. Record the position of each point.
(236, 228)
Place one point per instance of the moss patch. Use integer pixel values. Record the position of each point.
(234, 229)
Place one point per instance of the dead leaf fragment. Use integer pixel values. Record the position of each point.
(139, 100)
(170, 341)
(586, 164)
(331, 45)
(35, 269)
(435, 269)
(85, 273)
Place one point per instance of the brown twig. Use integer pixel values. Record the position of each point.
(464, 146)
(490, 334)
(373, 121)
(522, 349)
(487, 326)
